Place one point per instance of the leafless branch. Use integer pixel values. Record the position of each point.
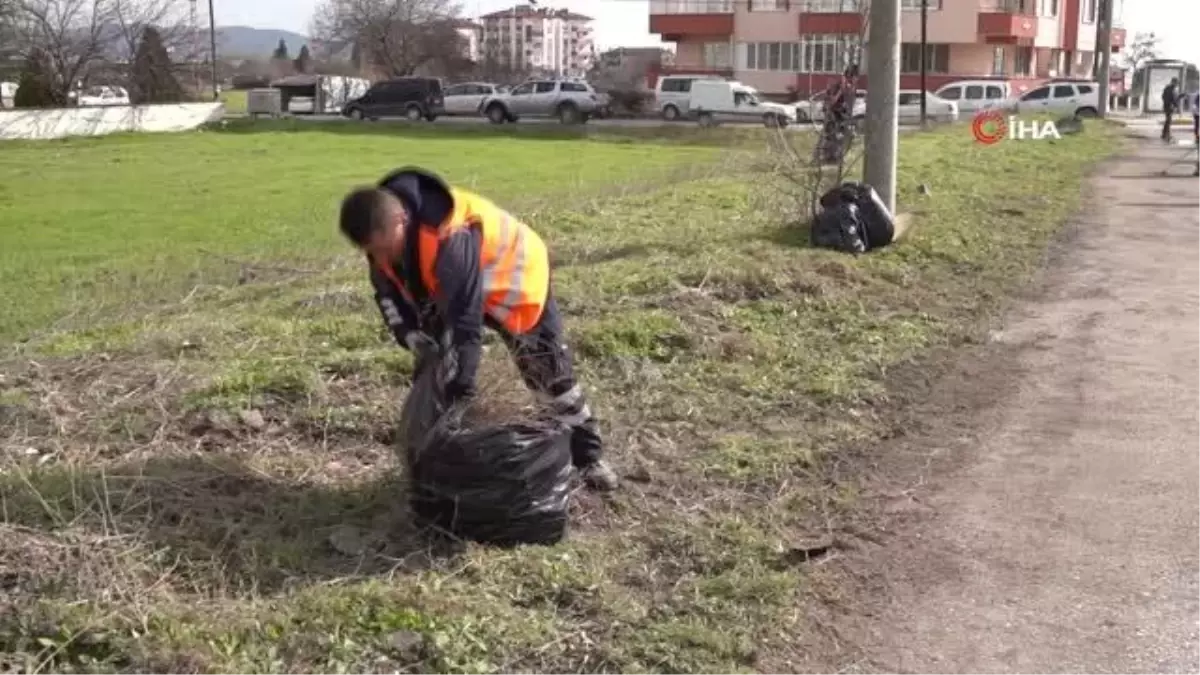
(398, 37)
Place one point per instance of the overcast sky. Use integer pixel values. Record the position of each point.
(624, 22)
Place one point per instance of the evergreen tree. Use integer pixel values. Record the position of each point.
(153, 77)
(34, 88)
(303, 62)
(281, 51)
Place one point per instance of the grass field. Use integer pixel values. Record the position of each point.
(196, 471)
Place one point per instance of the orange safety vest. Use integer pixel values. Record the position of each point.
(514, 261)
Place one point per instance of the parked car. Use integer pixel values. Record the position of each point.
(719, 100)
(571, 101)
(975, 95)
(813, 110)
(937, 109)
(1060, 98)
(413, 98)
(673, 94)
(468, 98)
(102, 95)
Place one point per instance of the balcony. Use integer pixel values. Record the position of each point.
(1007, 21)
(674, 19)
(831, 17)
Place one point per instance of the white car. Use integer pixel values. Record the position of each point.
(103, 95)
(467, 98)
(975, 95)
(1081, 99)
(937, 109)
(8, 92)
(715, 101)
(813, 110)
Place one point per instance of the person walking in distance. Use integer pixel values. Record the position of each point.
(1170, 104)
(445, 261)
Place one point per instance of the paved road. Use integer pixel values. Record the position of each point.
(1067, 541)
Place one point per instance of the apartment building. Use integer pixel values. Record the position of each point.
(538, 38)
(470, 36)
(784, 46)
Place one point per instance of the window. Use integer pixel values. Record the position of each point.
(768, 5)
(1048, 8)
(1089, 11)
(1064, 91)
(831, 6)
(994, 92)
(523, 89)
(456, 90)
(1039, 94)
(718, 55)
(1023, 61)
(691, 6)
(974, 93)
(998, 59)
(679, 85)
(819, 53)
(909, 98)
(951, 93)
(937, 58)
(915, 5)
(574, 86)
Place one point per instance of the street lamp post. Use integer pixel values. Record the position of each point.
(212, 45)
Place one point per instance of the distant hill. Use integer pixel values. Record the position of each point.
(246, 42)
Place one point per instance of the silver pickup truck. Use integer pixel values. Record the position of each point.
(571, 101)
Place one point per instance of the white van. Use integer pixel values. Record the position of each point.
(975, 95)
(673, 94)
(719, 100)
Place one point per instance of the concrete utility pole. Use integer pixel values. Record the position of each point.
(212, 43)
(1103, 54)
(883, 86)
(924, 60)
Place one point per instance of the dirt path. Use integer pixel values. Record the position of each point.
(1066, 538)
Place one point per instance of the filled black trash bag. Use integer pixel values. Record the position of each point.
(872, 219)
(838, 228)
(504, 485)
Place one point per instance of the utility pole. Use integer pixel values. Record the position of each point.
(924, 58)
(212, 45)
(883, 86)
(1103, 54)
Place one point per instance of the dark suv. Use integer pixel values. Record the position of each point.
(414, 98)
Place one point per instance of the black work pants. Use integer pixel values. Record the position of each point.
(1168, 116)
(545, 363)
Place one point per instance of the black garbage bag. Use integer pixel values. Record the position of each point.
(503, 484)
(869, 219)
(838, 228)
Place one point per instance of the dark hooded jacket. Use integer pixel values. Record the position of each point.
(458, 309)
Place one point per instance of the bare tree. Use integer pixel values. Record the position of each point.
(71, 35)
(398, 37)
(169, 17)
(80, 38)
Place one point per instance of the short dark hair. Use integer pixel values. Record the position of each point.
(365, 211)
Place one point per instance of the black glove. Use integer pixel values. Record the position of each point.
(459, 392)
(421, 345)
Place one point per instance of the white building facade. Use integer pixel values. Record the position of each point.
(557, 42)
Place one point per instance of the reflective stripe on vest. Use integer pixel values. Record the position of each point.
(501, 310)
